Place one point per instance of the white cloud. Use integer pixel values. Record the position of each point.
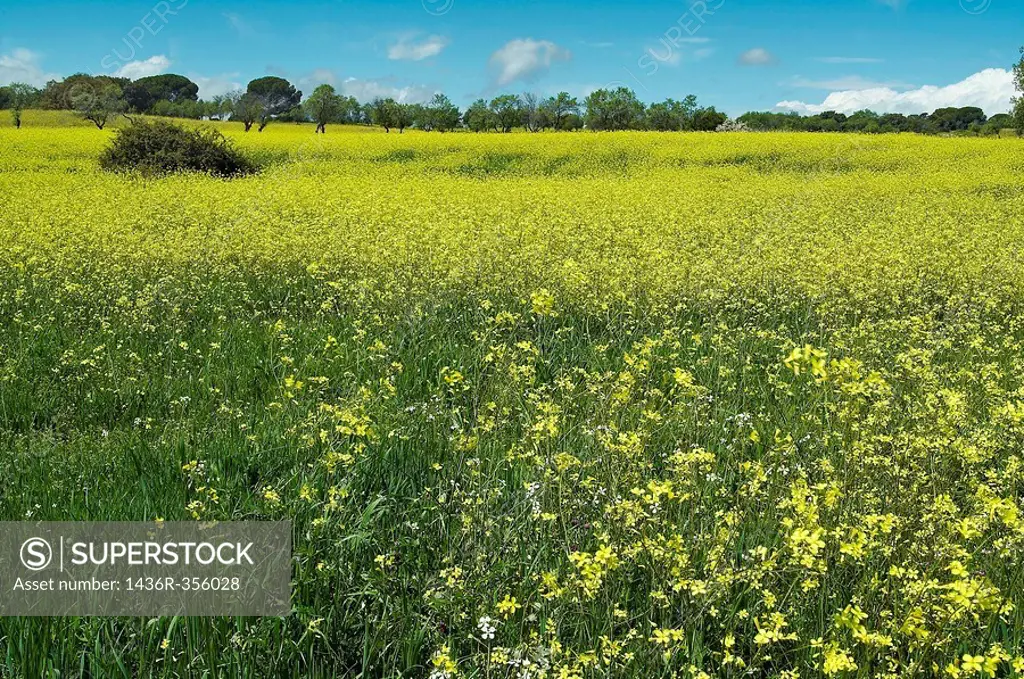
(850, 82)
(368, 90)
(525, 59)
(850, 60)
(141, 69)
(22, 66)
(408, 49)
(210, 87)
(758, 56)
(990, 90)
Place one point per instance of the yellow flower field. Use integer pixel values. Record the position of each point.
(539, 405)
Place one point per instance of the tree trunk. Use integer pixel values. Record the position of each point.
(248, 126)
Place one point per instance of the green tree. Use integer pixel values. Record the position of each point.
(324, 106)
(558, 109)
(531, 113)
(441, 114)
(672, 115)
(405, 115)
(507, 111)
(617, 109)
(478, 116)
(97, 102)
(57, 94)
(247, 110)
(954, 119)
(223, 105)
(276, 97)
(385, 113)
(144, 93)
(20, 96)
(708, 119)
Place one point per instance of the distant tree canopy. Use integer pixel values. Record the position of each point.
(385, 112)
(968, 119)
(275, 95)
(57, 93)
(617, 109)
(143, 94)
(440, 114)
(324, 106)
(97, 101)
(17, 97)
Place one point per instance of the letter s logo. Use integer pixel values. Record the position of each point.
(36, 554)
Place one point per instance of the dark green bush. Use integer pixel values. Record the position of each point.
(160, 147)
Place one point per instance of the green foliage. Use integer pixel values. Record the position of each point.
(143, 94)
(560, 109)
(247, 110)
(950, 120)
(617, 109)
(324, 106)
(478, 116)
(97, 101)
(506, 110)
(59, 94)
(388, 113)
(18, 97)
(160, 147)
(440, 114)
(275, 95)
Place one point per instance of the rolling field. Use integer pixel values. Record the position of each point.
(549, 405)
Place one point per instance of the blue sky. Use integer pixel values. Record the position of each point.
(739, 55)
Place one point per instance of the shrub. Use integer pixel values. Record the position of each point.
(160, 147)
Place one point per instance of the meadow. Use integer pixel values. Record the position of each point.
(539, 405)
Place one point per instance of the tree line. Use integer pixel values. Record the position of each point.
(98, 98)
(970, 119)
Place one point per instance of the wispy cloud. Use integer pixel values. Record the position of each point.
(850, 82)
(758, 56)
(409, 49)
(239, 24)
(849, 60)
(525, 59)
